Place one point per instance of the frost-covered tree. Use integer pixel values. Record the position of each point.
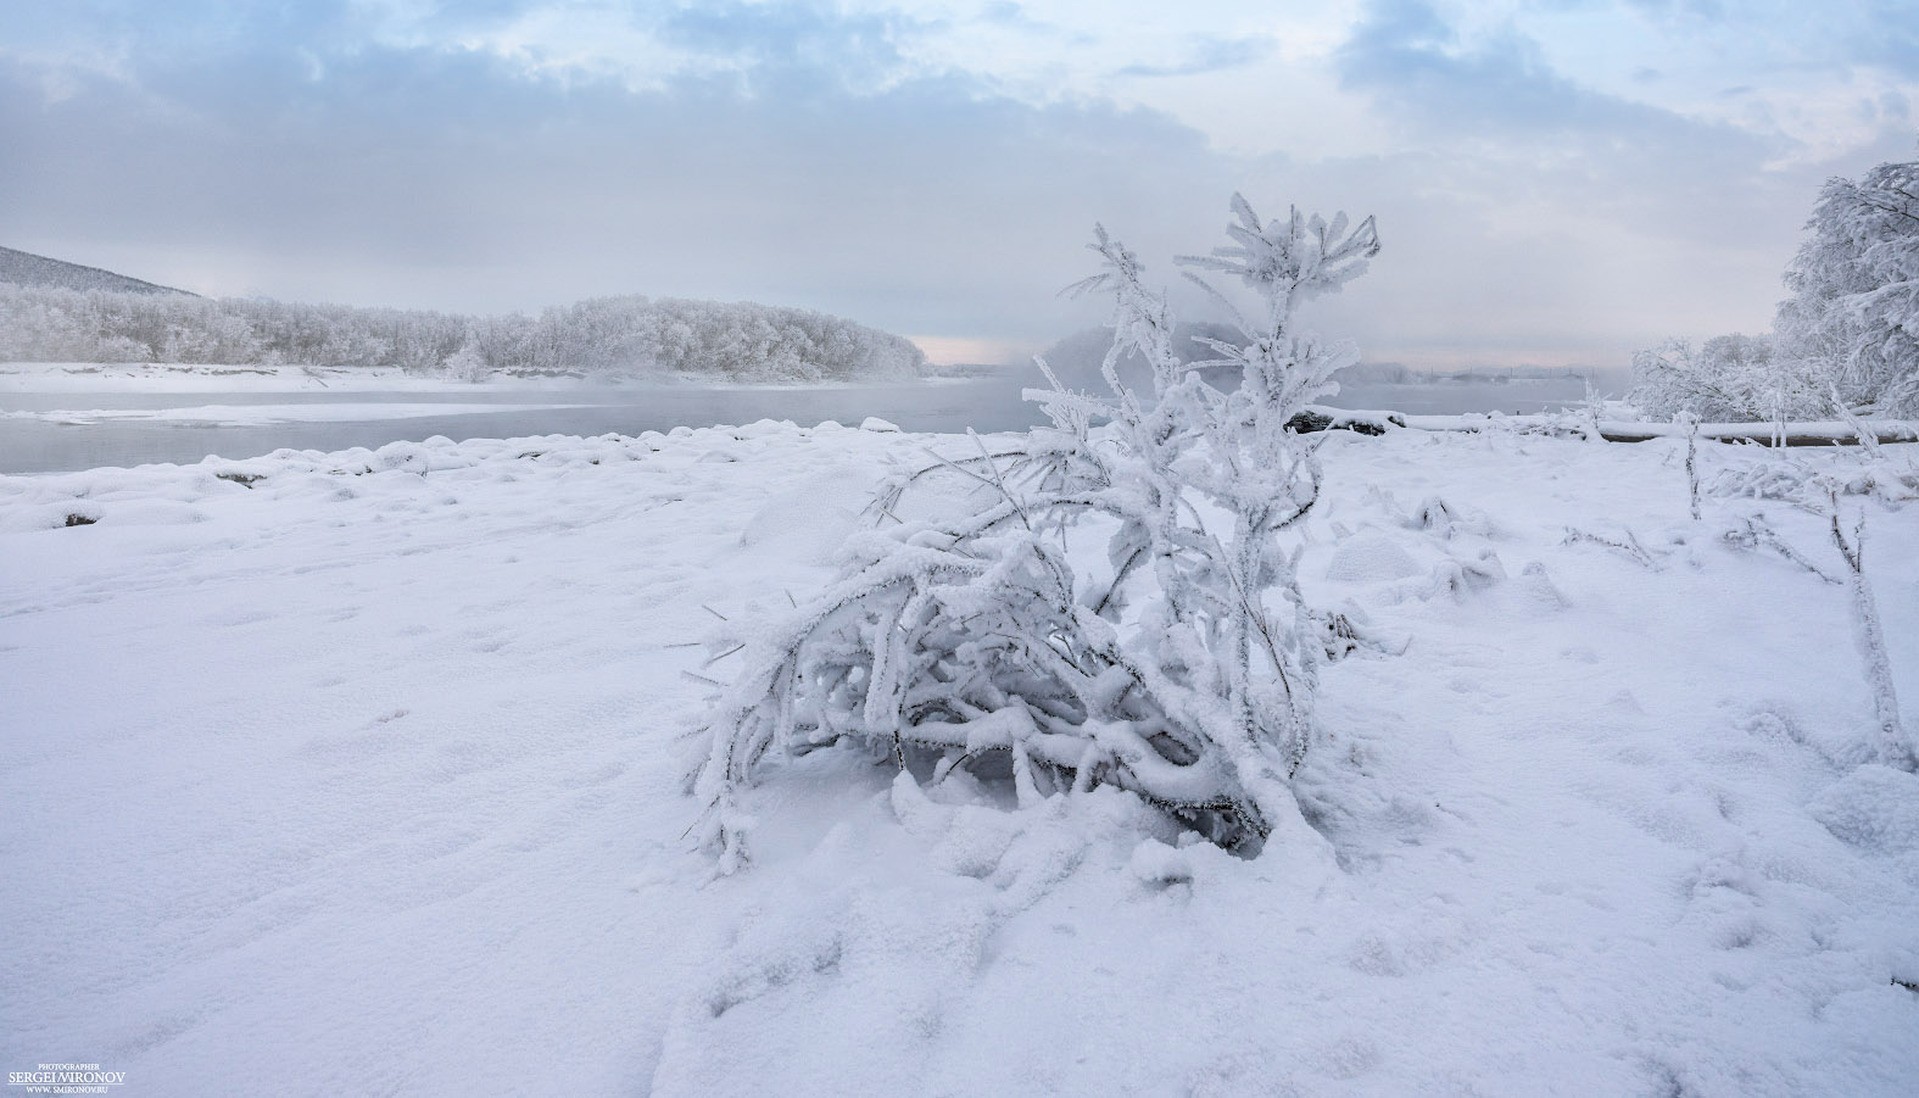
(1854, 308)
(1847, 338)
(1124, 612)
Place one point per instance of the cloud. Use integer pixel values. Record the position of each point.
(1524, 133)
(1209, 55)
(933, 171)
(453, 179)
(1893, 40)
(789, 37)
(1405, 54)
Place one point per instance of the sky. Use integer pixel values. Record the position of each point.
(1556, 182)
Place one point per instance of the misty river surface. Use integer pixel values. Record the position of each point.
(38, 445)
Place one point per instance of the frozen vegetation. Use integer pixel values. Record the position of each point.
(1847, 339)
(1181, 670)
(614, 337)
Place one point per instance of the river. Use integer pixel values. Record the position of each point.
(32, 443)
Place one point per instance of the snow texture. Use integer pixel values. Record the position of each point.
(360, 773)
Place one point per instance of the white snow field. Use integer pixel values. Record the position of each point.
(255, 414)
(365, 777)
(165, 377)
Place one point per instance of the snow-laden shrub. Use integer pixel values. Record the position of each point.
(466, 364)
(1124, 612)
(1729, 379)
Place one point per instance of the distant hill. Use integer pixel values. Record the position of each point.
(27, 269)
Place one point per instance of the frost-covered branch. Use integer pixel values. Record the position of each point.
(1628, 546)
(1894, 748)
(1690, 422)
(1755, 533)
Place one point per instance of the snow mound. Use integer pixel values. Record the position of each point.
(1874, 808)
(1371, 558)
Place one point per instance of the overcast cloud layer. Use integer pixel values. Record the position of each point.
(1556, 181)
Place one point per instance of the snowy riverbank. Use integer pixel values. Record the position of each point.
(360, 771)
(161, 377)
(240, 415)
(58, 417)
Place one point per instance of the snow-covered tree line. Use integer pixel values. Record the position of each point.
(1848, 336)
(610, 335)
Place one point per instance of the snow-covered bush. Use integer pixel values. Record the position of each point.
(1122, 613)
(1729, 379)
(1847, 337)
(466, 364)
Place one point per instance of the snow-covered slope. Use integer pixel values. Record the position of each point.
(27, 269)
(361, 772)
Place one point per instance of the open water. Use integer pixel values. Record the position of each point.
(988, 404)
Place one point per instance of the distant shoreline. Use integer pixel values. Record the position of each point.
(156, 377)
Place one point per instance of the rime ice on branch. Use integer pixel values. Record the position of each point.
(1125, 611)
(1889, 741)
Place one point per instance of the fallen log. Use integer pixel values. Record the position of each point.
(1816, 433)
(1317, 417)
(1804, 433)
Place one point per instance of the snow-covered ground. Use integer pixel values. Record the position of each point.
(361, 773)
(156, 377)
(227, 415)
(159, 377)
